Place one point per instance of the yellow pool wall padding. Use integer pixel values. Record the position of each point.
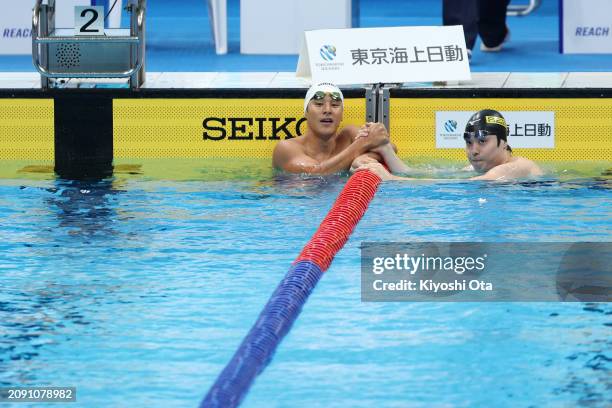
(27, 130)
(168, 128)
(583, 127)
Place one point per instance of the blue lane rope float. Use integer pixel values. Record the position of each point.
(285, 304)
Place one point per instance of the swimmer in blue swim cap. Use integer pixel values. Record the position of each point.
(323, 149)
(486, 147)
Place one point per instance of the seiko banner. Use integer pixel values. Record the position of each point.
(16, 23)
(586, 26)
(384, 55)
(528, 129)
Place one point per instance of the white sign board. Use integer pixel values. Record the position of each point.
(16, 23)
(64, 12)
(586, 26)
(384, 55)
(262, 21)
(528, 129)
(16, 27)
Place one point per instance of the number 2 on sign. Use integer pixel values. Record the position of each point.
(89, 20)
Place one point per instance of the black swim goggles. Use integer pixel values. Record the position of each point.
(480, 135)
(320, 95)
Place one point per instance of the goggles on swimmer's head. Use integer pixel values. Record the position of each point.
(318, 92)
(480, 135)
(320, 95)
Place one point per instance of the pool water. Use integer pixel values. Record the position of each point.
(137, 291)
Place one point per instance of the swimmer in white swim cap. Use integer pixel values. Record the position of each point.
(323, 149)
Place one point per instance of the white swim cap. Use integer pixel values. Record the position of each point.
(324, 87)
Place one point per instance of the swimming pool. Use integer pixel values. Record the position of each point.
(138, 290)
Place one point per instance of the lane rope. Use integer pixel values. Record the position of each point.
(285, 304)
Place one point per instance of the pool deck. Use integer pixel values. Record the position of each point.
(287, 80)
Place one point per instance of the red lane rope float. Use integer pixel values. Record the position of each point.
(285, 304)
(335, 229)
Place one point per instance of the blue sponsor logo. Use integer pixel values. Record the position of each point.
(17, 33)
(328, 52)
(450, 125)
(592, 31)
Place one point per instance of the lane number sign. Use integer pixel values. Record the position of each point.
(89, 20)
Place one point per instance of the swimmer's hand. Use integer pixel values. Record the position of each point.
(378, 131)
(375, 134)
(387, 151)
(362, 132)
(375, 168)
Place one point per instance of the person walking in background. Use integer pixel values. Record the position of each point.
(484, 17)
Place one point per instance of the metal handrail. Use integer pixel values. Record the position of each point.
(35, 14)
(523, 10)
(35, 25)
(84, 39)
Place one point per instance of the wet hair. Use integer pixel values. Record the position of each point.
(493, 122)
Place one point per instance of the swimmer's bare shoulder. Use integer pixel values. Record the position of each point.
(348, 132)
(345, 137)
(286, 150)
(290, 149)
(518, 167)
(528, 167)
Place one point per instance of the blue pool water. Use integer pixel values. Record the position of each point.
(138, 291)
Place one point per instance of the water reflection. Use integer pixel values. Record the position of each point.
(30, 320)
(301, 186)
(85, 208)
(41, 303)
(588, 381)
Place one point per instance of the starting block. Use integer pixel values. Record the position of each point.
(88, 50)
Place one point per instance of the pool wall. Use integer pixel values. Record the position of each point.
(81, 132)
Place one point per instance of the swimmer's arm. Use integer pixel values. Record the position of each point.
(353, 133)
(380, 171)
(384, 174)
(510, 171)
(388, 151)
(368, 158)
(395, 164)
(502, 172)
(291, 159)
